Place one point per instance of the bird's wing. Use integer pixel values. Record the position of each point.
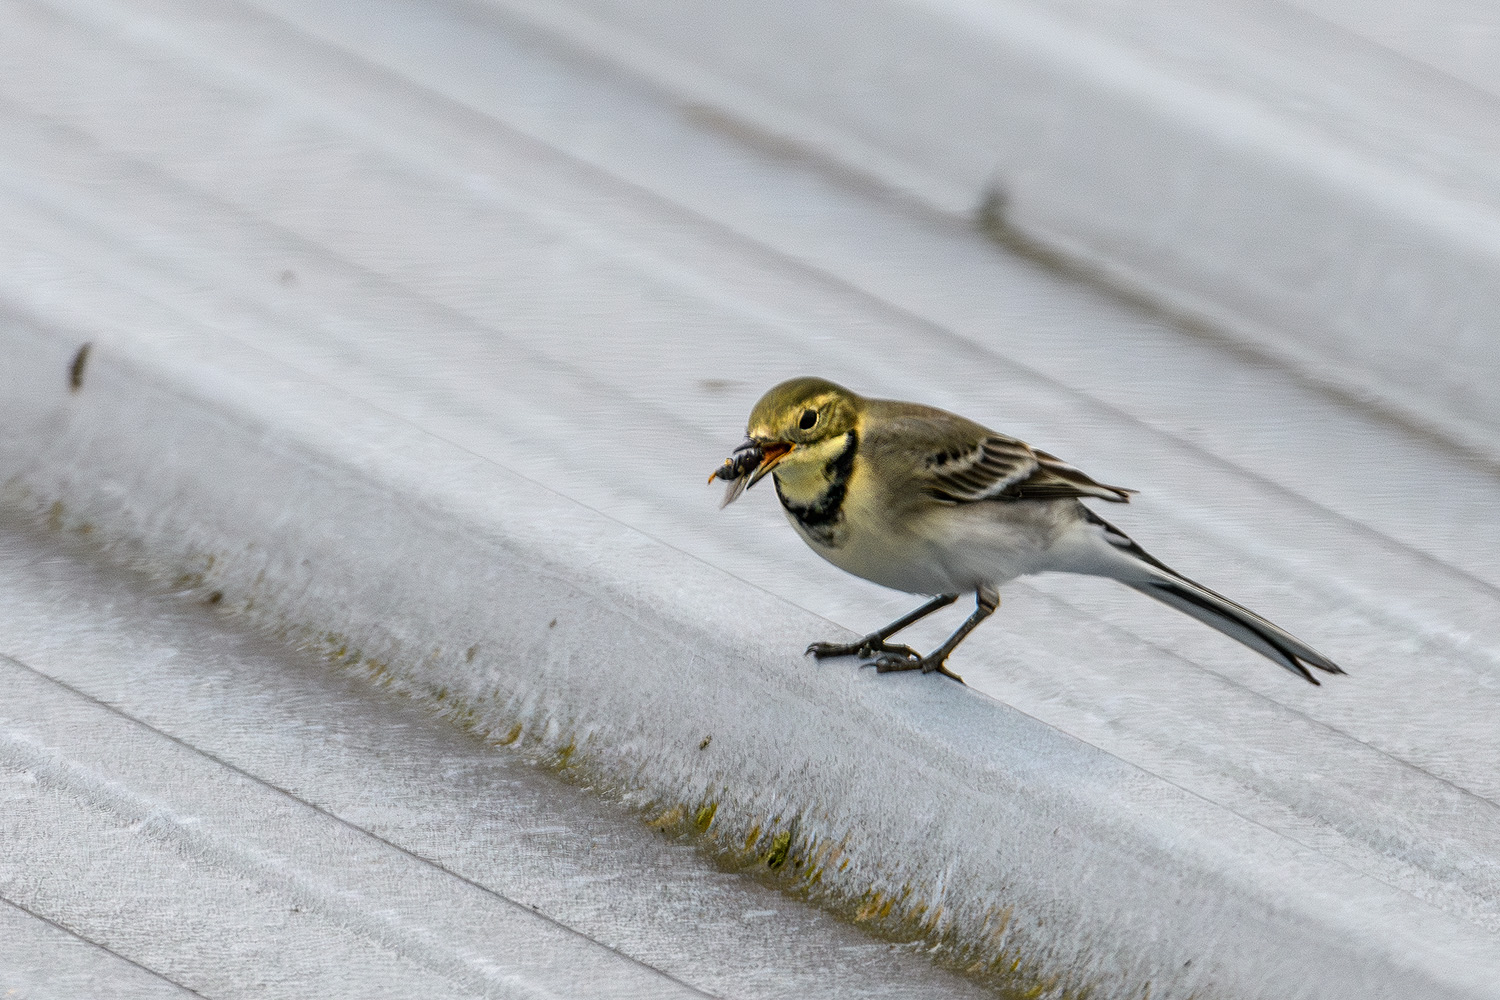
(1055, 478)
(959, 461)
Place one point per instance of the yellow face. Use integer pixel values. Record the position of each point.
(787, 427)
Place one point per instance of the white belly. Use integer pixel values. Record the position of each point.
(950, 550)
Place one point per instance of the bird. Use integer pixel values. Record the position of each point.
(925, 501)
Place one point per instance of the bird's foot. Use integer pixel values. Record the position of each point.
(910, 659)
(864, 649)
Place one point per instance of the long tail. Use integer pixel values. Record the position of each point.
(1155, 579)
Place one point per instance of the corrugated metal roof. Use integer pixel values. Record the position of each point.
(396, 307)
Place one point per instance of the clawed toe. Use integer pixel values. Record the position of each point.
(887, 657)
(892, 653)
(864, 649)
(891, 663)
(894, 661)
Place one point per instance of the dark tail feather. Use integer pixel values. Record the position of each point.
(1154, 578)
(1236, 622)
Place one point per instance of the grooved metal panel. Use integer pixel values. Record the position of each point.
(356, 240)
(192, 809)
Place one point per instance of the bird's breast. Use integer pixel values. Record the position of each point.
(845, 517)
(813, 491)
(912, 543)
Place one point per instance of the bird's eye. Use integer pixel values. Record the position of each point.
(809, 417)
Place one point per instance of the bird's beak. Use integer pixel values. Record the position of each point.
(749, 464)
(771, 454)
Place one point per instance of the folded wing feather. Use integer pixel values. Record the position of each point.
(1002, 468)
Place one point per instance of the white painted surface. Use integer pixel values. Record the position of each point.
(1315, 180)
(464, 322)
(42, 961)
(280, 796)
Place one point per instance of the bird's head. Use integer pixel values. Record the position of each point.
(795, 422)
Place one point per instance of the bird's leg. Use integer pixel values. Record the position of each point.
(875, 642)
(986, 600)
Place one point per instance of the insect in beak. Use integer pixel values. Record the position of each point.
(748, 465)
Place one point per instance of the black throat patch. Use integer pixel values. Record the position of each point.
(824, 516)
